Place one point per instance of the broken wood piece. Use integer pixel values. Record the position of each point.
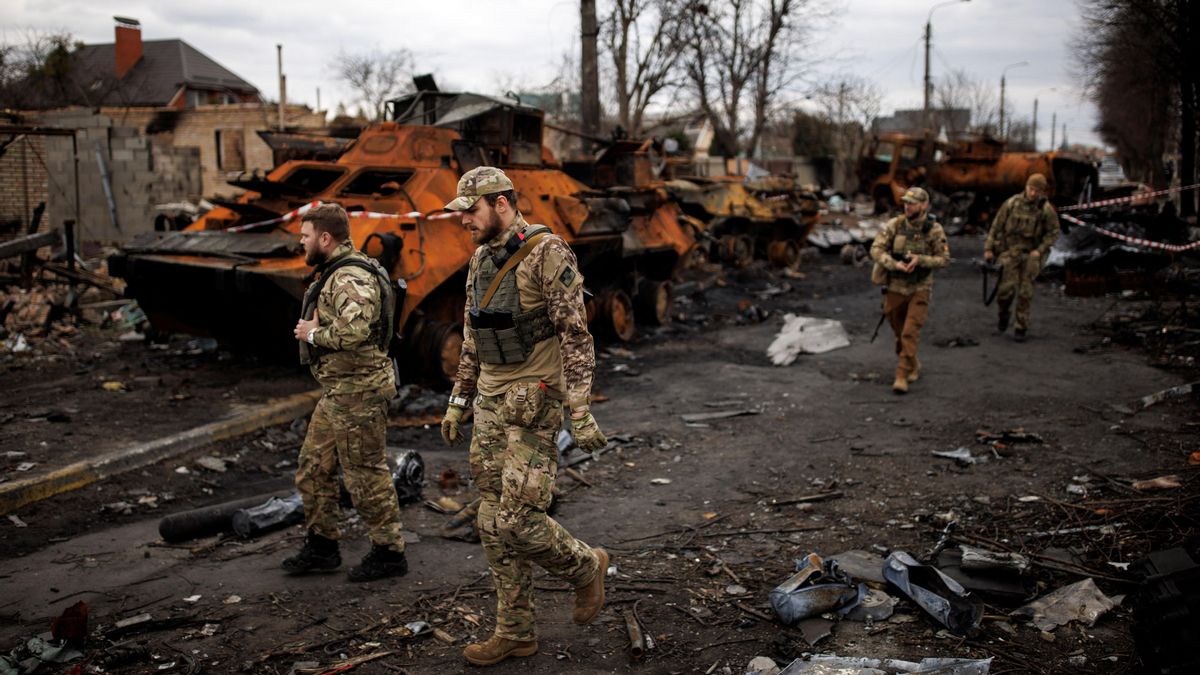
(704, 417)
(818, 497)
(573, 473)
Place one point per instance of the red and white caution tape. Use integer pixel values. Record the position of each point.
(1125, 200)
(1173, 248)
(353, 214)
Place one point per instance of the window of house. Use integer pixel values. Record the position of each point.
(230, 151)
(371, 182)
(309, 180)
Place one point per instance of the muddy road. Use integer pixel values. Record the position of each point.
(702, 519)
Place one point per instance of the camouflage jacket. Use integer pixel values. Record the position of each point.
(348, 357)
(547, 278)
(901, 237)
(1021, 226)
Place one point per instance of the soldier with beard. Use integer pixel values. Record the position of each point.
(343, 333)
(526, 352)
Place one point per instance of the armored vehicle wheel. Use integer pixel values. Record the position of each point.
(614, 314)
(784, 253)
(653, 303)
(737, 249)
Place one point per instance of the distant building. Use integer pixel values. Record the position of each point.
(952, 121)
(172, 96)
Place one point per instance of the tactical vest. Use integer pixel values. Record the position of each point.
(502, 332)
(382, 329)
(1024, 220)
(904, 246)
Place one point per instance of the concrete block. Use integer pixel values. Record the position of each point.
(122, 156)
(134, 143)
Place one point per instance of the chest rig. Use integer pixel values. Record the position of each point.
(910, 241)
(502, 331)
(382, 331)
(1025, 220)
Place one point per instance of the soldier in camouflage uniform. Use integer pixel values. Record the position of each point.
(906, 251)
(526, 350)
(1022, 233)
(341, 333)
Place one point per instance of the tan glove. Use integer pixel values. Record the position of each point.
(450, 420)
(587, 433)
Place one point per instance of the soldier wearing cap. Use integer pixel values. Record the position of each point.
(526, 351)
(906, 252)
(343, 332)
(1022, 233)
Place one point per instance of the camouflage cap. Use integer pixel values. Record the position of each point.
(915, 196)
(480, 181)
(1036, 181)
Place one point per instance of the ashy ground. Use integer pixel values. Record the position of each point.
(702, 520)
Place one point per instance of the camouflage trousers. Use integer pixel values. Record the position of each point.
(514, 462)
(906, 315)
(350, 430)
(1020, 272)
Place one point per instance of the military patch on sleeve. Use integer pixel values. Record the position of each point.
(567, 276)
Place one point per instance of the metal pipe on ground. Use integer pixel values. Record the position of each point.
(206, 521)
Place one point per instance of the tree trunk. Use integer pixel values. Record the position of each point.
(1187, 148)
(589, 98)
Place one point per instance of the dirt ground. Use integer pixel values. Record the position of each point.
(694, 557)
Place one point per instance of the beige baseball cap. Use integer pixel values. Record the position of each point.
(480, 181)
(915, 196)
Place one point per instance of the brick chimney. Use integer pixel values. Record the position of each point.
(128, 45)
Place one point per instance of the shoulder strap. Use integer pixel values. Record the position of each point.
(511, 264)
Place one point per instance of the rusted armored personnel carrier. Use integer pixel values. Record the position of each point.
(893, 162)
(237, 274)
(745, 219)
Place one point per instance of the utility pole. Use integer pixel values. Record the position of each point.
(282, 84)
(589, 98)
(928, 41)
(1003, 74)
(1053, 129)
(1035, 124)
(928, 83)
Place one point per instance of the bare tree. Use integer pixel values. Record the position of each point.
(959, 91)
(742, 55)
(644, 40)
(1138, 60)
(40, 71)
(376, 76)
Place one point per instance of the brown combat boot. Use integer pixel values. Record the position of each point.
(900, 386)
(589, 598)
(496, 649)
(915, 374)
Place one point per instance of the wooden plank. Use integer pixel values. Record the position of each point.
(28, 243)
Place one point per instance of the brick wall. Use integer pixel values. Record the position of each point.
(142, 174)
(198, 127)
(23, 184)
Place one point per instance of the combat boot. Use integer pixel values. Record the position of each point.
(496, 649)
(589, 598)
(915, 374)
(1019, 335)
(1002, 320)
(378, 563)
(319, 554)
(900, 386)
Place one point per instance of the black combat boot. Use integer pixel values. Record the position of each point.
(1019, 335)
(319, 554)
(378, 563)
(1002, 321)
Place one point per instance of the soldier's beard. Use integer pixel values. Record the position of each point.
(315, 257)
(489, 231)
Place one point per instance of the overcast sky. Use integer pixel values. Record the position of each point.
(473, 44)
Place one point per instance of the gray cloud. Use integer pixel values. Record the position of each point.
(471, 44)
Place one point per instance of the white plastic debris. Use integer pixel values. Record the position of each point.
(1081, 601)
(806, 335)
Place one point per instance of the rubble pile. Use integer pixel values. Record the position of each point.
(35, 318)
